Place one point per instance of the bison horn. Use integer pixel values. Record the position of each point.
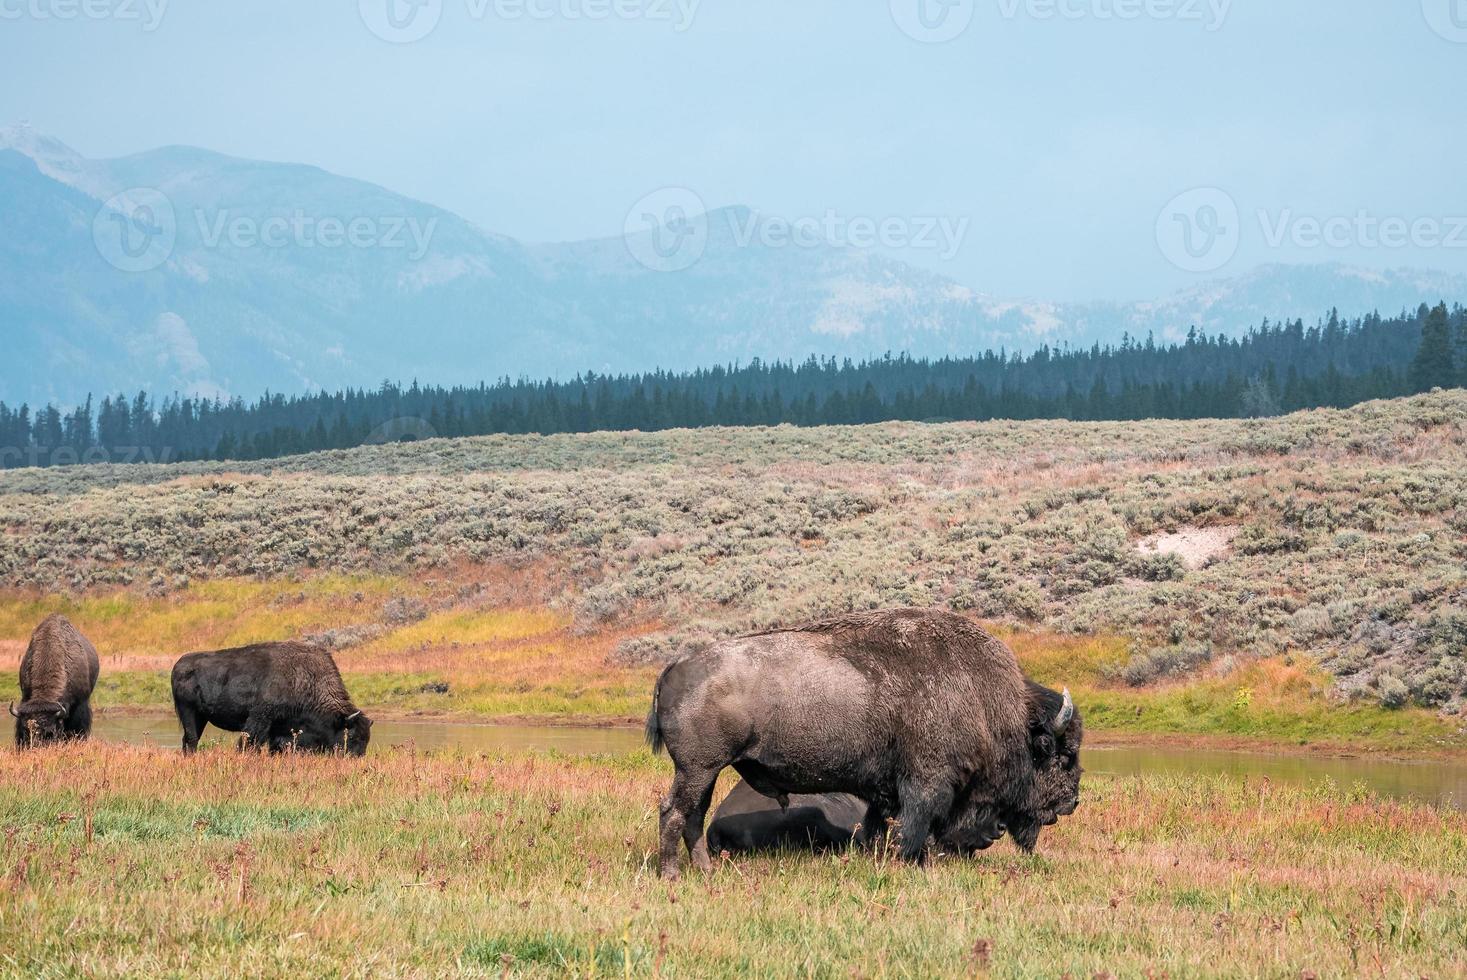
(353, 717)
(12, 710)
(1066, 712)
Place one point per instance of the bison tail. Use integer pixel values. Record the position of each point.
(654, 729)
(654, 724)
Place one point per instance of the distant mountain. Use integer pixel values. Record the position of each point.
(185, 270)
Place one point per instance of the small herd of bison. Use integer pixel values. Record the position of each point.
(909, 728)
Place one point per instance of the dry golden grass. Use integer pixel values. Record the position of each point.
(498, 660)
(119, 861)
(482, 651)
(133, 630)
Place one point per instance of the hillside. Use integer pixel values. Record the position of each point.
(236, 276)
(1332, 536)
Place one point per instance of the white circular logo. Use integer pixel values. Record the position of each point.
(1199, 231)
(667, 230)
(135, 231)
(401, 21)
(1448, 18)
(405, 429)
(932, 21)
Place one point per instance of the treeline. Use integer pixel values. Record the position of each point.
(1272, 369)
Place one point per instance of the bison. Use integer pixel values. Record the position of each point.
(278, 694)
(746, 821)
(920, 713)
(749, 821)
(57, 675)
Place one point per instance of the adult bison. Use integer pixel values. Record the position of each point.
(920, 713)
(280, 695)
(57, 675)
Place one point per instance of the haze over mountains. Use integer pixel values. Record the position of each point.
(180, 269)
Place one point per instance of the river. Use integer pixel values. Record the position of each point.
(1441, 783)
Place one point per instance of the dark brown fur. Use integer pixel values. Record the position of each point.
(919, 712)
(57, 675)
(748, 821)
(278, 694)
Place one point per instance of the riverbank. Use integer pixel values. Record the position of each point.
(437, 863)
(1452, 749)
(470, 647)
(1438, 780)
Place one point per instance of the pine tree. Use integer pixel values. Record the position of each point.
(1433, 367)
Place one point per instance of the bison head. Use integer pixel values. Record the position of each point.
(1055, 733)
(356, 732)
(39, 722)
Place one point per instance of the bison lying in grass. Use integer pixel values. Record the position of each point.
(280, 695)
(748, 822)
(920, 713)
(57, 675)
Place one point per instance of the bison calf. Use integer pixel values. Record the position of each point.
(278, 694)
(57, 675)
(747, 821)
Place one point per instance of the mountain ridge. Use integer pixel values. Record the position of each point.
(261, 285)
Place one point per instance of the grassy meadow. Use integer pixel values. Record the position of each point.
(118, 860)
(1288, 584)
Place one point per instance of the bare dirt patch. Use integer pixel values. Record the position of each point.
(1195, 546)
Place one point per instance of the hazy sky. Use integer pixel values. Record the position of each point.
(1058, 130)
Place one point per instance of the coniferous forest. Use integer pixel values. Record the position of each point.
(1272, 369)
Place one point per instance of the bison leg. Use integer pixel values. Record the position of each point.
(193, 723)
(919, 807)
(693, 829)
(873, 827)
(687, 799)
(257, 733)
(79, 720)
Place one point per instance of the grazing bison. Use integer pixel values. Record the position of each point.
(920, 713)
(57, 675)
(278, 694)
(747, 821)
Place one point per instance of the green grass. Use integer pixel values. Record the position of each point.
(1196, 710)
(118, 861)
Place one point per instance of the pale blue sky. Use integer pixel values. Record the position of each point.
(1059, 139)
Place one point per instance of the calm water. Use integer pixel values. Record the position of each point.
(1442, 783)
(163, 730)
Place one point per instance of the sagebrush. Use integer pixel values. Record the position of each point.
(1347, 529)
